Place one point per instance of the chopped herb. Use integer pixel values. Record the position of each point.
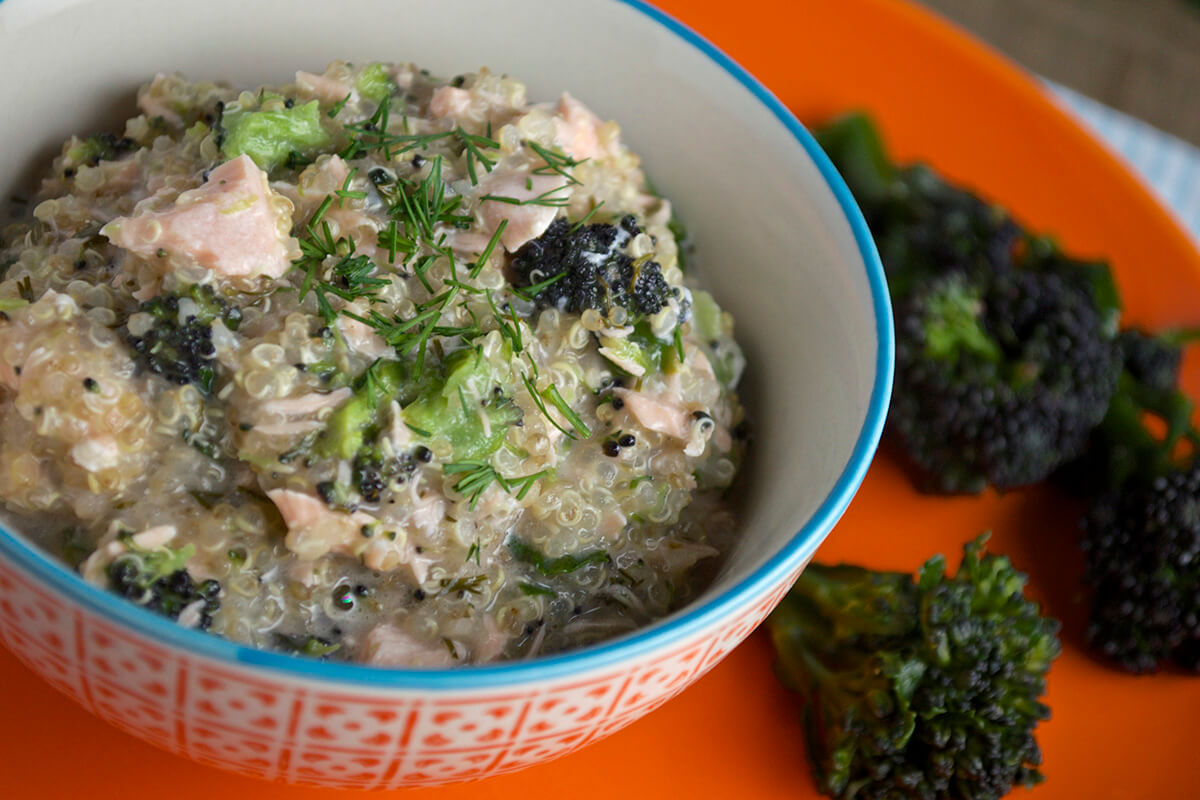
(473, 552)
(469, 585)
(534, 589)
(549, 198)
(586, 217)
(302, 645)
(557, 163)
(476, 477)
(480, 262)
(338, 106)
(527, 554)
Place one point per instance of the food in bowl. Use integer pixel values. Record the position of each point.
(372, 366)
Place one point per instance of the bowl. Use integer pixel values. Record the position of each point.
(780, 243)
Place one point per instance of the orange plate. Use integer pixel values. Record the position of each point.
(943, 98)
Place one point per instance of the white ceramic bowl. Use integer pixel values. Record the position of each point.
(782, 246)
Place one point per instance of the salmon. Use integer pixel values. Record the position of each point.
(577, 131)
(389, 646)
(326, 89)
(234, 225)
(97, 453)
(314, 529)
(449, 101)
(362, 338)
(307, 403)
(525, 221)
(657, 413)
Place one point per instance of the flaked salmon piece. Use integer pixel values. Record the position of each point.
(448, 101)
(155, 537)
(388, 646)
(97, 453)
(307, 403)
(322, 87)
(314, 529)
(234, 224)
(362, 338)
(657, 413)
(577, 130)
(526, 220)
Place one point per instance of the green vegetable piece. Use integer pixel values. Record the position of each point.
(854, 144)
(641, 348)
(527, 554)
(374, 83)
(269, 137)
(345, 432)
(954, 326)
(706, 316)
(928, 688)
(442, 410)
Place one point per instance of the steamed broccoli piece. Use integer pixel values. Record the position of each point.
(374, 83)
(100, 147)
(1005, 357)
(595, 270)
(926, 689)
(271, 136)
(1141, 532)
(179, 346)
(158, 580)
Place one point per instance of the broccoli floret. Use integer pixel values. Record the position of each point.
(100, 147)
(274, 134)
(1000, 376)
(1004, 351)
(921, 224)
(926, 689)
(1141, 531)
(158, 580)
(179, 346)
(1143, 563)
(1122, 447)
(595, 270)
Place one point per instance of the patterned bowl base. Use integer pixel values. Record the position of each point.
(309, 732)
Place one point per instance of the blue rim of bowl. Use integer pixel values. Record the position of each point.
(687, 622)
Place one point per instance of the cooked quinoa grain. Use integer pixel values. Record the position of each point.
(371, 367)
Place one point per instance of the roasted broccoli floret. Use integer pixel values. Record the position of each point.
(926, 689)
(595, 270)
(1141, 532)
(1143, 565)
(1122, 446)
(922, 225)
(178, 344)
(1000, 377)
(1005, 357)
(159, 581)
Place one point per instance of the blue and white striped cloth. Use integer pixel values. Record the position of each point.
(1170, 167)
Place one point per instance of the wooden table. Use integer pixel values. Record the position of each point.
(1140, 56)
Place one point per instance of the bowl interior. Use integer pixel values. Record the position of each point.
(773, 242)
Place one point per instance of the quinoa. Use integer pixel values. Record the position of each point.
(371, 366)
